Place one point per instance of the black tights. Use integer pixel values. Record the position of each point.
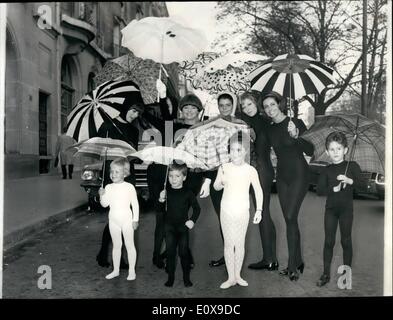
(343, 217)
(176, 236)
(291, 195)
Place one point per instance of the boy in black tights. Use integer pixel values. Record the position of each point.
(337, 182)
(177, 201)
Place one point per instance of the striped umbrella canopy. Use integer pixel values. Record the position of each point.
(102, 104)
(209, 140)
(291, 75)
(366, 139)
(104, 148)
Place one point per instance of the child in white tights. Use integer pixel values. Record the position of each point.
(119, 196)
(236, 177)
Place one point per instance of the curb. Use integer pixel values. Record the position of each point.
(19, 237)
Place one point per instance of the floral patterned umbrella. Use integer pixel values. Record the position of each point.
(227, 73)
(144, 72)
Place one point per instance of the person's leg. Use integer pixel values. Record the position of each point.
(185, 256)
(115, 231)
(239, 239)
(102, 256)
(345, 222)
(229, 249)
(70, 170)
(128, 234)
(171, 246)
(331, 221)
(216, 197)
(64, 171)
(291, 196)
(267, 230)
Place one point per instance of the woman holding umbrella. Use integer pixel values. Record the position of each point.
(262, 147)
(120, 128)
(292, 173)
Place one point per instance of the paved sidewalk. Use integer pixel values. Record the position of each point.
(31, 204)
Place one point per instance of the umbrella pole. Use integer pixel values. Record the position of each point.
(353, 145)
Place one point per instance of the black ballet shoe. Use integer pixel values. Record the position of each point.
(170, 282)
(301, 267)
(293, 276)
(324, 279)
(187, 282)
(102, 262)
(217, 263)
(273, 266)
(262, 265)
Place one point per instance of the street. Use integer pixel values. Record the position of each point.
(70, 252)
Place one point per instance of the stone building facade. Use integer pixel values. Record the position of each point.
(53, 51)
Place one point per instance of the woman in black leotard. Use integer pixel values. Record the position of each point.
(292, 173)
(262, 147)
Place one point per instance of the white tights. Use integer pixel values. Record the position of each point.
(234, 228)
(128, 233)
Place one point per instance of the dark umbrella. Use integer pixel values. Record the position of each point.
(366, 139)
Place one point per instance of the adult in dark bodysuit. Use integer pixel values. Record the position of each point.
(292, 173)
(121, 129)
(190, 105)
(262, 147)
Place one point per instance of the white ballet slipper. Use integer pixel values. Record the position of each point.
(227, 284)
(112, 275)
(242, 282)
(131, 276)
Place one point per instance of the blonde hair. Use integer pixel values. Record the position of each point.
(122, 162)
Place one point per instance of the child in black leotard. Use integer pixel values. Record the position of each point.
(176, 221)
(337, 182)
(292, 173)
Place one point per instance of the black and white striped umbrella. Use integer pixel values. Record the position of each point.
(101, 105)
(291, 75)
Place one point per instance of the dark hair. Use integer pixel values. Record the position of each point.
(278, 98)
(338, 137)
(137, 107)
(225, 96)
(178, 167)
(242, 138)
(122, 162)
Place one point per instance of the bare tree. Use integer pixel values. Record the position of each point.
(329, 31)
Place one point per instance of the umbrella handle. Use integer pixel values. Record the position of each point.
(159, 77)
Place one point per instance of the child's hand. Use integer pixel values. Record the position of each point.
(338, 187)
(344, 179)
(257, 217)
(205, 189)
(292, 130)
(162, 196)
(190, 224)
(101, 191)
(135, 225)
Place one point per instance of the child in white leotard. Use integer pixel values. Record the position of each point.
(235, 177)
(119, 196)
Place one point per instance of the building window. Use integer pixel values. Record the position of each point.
(67, 91)
(91, 84)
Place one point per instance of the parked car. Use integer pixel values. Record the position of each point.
(91, 179)
(372, 183)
